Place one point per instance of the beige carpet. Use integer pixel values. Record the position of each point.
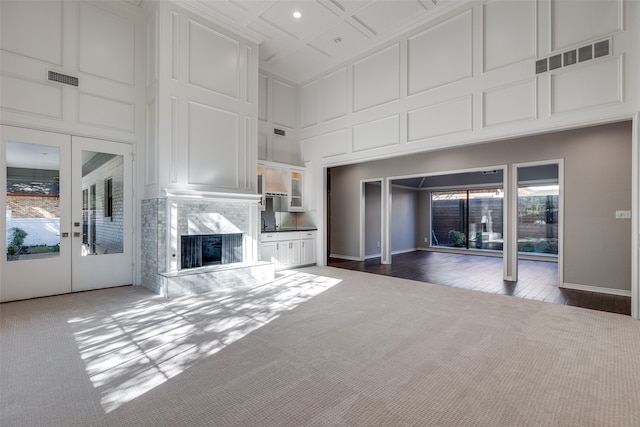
(320, 347)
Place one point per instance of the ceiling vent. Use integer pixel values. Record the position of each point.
(573, 56)
(62, 78)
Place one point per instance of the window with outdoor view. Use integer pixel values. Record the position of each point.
(467, 219)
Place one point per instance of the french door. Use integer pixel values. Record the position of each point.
(67, 225)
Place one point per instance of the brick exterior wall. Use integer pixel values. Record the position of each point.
(33, 206)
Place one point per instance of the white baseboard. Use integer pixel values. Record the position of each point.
(372, 256)
(597, 289)
(347, 257)
(403, 251)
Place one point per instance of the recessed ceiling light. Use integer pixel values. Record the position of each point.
(297, 15)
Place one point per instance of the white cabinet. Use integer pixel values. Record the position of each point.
(296, 191)
(308, 251)
(288, 249)
(288, 254)
(275, 178)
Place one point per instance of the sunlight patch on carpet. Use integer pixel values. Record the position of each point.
(135, 350)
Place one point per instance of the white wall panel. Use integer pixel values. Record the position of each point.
(334, 95)
(105, 44)
(376, 78)
(283, 103)
(34, 32)
(578, 21)
(509, 32)
(589, 85)
(285, 150)
(175, 46)
(262, 97)
(212, 146)
(100, 111)
(510, 103)
(262, 146)
(174, 139)
(441, 54)
(151, 51)
(377, 133)
(213, 60)
(334, 143)
(440, 119)
(310, 104)
(33, 97)
(151, 144)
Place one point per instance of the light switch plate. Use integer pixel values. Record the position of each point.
(623, 214)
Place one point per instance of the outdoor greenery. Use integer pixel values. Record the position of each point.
(16, 240)
(458, 238)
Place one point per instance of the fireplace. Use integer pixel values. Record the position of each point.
(210, 249)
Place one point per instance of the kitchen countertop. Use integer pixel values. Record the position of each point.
(284, 230)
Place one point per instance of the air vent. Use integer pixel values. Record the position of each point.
(278, 131)
(585, 53)
(555, 61)
(570, 57)
(601, 49)
(63, 78)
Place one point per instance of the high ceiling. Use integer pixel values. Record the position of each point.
(327, 32)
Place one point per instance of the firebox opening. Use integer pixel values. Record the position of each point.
(210, 249)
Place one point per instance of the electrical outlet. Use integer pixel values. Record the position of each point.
(378, 244)
(623, 214)
(425, 240)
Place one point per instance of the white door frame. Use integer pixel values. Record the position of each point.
(513, 225)
(363, 182)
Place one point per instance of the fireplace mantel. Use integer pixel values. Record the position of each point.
(195, 194)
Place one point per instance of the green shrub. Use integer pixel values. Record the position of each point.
(457, 238)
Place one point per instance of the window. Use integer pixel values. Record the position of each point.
(467, 219)
(108, 198)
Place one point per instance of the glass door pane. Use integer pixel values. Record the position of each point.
(102, 213)
(448, 218)
(32, 201)
(485, 219)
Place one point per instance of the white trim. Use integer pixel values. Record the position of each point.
(596, 289)
(635, 217)
(347, 257)
(362, 214)
(514, 212)
(195, 194)
(372, 256)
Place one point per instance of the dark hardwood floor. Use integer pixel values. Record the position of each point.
(537, 280)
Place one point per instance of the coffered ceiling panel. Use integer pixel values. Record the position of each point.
(323, 33)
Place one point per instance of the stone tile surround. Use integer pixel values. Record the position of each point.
(165, 219)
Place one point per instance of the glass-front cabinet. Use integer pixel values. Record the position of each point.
(281, 180)
(296, 192)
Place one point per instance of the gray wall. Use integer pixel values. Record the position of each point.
(404, 219)
(597, 161)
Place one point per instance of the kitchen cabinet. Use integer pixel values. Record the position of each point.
(288, 249)
(296, 191)
(308, 248)
(275, 178)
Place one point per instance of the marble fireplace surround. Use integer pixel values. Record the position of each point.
(194, 213)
